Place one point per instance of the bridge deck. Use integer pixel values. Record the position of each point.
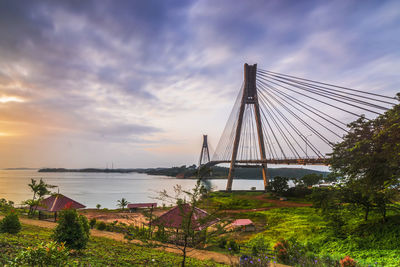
(304, 161)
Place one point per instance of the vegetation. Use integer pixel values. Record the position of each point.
(72, 229)
(39, 190)
(44, 254)
(279, 184)
(122, 203)
(367, 243)
(187, 236)
(368, 162)
(10, 223)
(236, 200)
(98, 252)
(311, 179)
(222, 172)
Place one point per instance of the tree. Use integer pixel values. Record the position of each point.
(122, 203)
(368, 160)
(98, 206)
(311, 179)
(279, 184)
(73, 229)
(39, 190)
(186, 237)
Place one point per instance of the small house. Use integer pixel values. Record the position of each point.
(56, 203)
(136, 206)
(246, 225)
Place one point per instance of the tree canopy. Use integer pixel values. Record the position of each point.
(368, 160)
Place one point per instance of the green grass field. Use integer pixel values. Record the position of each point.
(372, 243)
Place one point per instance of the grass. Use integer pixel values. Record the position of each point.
(237, 200)
(371, 243)
(99, 252)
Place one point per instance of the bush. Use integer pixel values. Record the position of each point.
(348, 262)
(222, 242)
(10, 223)
(5, 205)
(298, 191)
(73, 229)
(50, 254)
(233, 246)
(101, 226)
(92, 223)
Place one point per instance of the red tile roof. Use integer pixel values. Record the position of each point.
(242, 222)
(173, 218)
(59, 202)
(142, 205)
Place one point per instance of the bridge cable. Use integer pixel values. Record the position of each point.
(336, 86)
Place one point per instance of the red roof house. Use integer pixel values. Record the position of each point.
(58, 202)
(174, 217)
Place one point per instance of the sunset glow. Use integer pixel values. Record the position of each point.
(6, 99)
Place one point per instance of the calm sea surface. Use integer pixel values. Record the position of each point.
(103, 188)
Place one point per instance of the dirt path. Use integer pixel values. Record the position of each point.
(194, 253)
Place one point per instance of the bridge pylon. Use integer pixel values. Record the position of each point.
(205, 152)
(249, 97)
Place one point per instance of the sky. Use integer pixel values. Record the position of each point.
(137, 83)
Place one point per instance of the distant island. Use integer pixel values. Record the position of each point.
(190, 172)
(19, 169)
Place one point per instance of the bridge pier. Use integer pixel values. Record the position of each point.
(249, 97)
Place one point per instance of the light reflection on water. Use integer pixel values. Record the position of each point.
(103, 188)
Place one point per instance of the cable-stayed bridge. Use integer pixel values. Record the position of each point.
(283, 119)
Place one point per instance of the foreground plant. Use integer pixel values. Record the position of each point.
(45, 254)
(72, 229)
(10, 224)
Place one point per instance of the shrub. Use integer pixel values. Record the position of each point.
(73, 229)
(233, 246)
(50, 254)
(101, 226)
(92, 223)
(222, 242)
(10, 223)
(348, 262)
(5, 205)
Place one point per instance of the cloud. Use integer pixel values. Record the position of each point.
(149, 72)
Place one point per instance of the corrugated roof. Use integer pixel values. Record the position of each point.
(59, 202)
(141, 205)
(242, 222)
(173, 218)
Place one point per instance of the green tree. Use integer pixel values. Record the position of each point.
(279, 184)
(98, 206)
(122, 203)
(368, 160)
(72, 229)
(39, 190)
(311, 179)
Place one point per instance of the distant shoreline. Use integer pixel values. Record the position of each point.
(190, 172)
(92, 170)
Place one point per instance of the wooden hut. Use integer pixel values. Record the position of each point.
(175, 217)
(135, 206)
(56, 203)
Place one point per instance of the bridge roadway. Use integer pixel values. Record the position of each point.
(298, 161)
